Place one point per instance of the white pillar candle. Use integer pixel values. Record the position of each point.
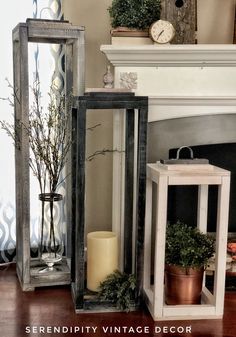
(102, 257)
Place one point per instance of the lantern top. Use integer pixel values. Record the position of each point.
(185, 174)
(49, 31)
(187, 169)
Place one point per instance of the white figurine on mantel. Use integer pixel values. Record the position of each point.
(108, 78)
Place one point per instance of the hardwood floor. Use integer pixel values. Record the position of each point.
(25, 313)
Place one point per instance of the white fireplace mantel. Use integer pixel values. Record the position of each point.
(171, 55)
(180, 81)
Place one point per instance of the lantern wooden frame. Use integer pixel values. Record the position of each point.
(135, 175)
(39, 31)
(212, 305)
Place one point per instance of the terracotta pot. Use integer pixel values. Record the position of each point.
(183, 285)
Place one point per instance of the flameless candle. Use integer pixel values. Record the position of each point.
(102, 257)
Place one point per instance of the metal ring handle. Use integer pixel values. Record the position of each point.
(184, 147)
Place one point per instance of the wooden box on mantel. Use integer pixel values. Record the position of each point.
(128, 36)
(158, 175)
(39, 31)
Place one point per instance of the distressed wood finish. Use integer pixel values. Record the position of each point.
(45, 31)
(110, 100)
(21, 100)
(129, 190)
(141, 193)
(68, 187)
(183, 19)
(212, 305)
(80, 205)
(74, 84)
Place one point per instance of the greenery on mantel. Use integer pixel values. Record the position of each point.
(139, 14)
(119, 288)
(187, 247)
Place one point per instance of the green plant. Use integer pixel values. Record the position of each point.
(118, 288)
(138, 14)
(187, 246)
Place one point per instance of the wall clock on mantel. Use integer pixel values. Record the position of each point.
(162, 32)
(182, 15)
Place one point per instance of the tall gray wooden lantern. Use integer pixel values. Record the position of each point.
(39, 31)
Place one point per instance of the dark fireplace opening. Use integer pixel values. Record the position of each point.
(182, 203)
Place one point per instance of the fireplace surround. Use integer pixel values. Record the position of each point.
(192, 101)
(212, 137)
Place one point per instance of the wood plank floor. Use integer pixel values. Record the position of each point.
(25, 313)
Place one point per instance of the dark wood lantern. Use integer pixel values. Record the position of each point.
(135, 175)
(39, 31)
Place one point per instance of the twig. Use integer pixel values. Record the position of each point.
(102, 153)
(91, 128)
(14, 94)
(47, 132)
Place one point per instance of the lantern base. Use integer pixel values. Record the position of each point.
(92, 304)
(41, 277)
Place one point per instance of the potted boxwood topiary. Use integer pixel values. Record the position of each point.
(187, 253)
(133, 17)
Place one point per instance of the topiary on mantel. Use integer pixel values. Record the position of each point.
(134, 14)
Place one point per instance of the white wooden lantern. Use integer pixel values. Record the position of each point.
(212, 303)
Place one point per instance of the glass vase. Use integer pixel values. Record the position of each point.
(51, 245)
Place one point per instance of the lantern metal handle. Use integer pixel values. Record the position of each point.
(184, 147)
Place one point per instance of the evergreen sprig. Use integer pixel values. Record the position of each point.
(119, 288)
